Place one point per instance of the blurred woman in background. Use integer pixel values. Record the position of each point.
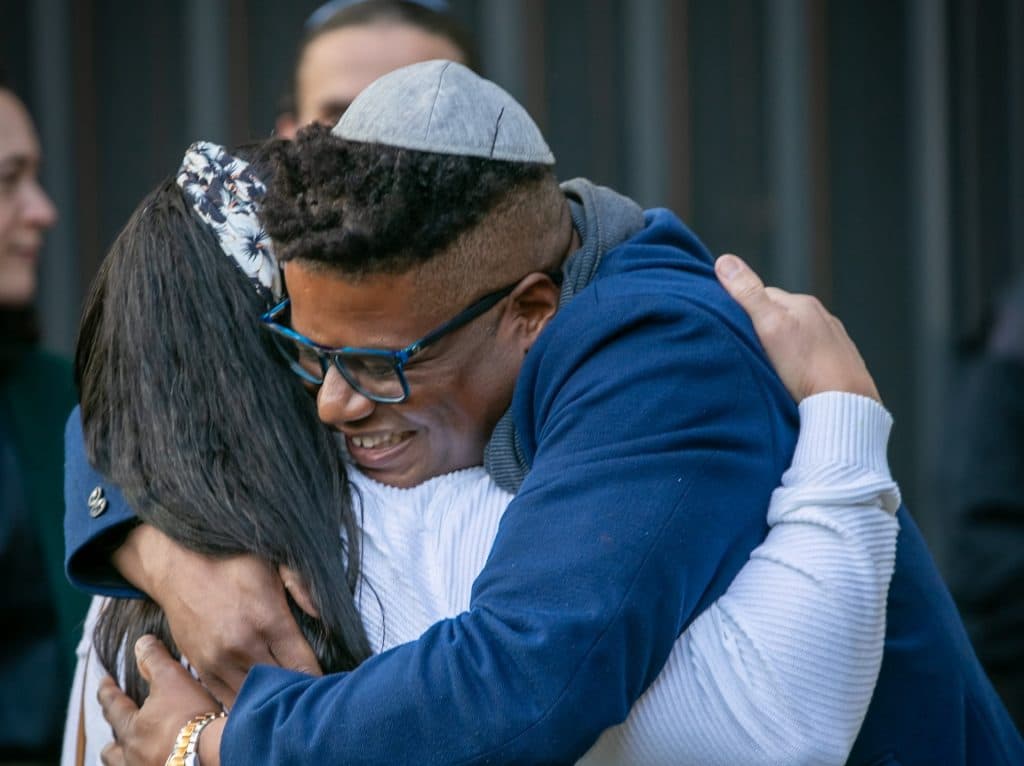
(40, 611)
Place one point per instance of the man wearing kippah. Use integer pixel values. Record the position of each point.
(600, 373)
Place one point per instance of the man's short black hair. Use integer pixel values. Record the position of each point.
(372, 209)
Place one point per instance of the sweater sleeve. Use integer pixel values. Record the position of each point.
(656, 438)
(781, 668)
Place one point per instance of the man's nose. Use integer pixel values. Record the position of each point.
(337, 403)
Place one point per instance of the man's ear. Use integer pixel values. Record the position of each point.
(532, 305)
(285, 126)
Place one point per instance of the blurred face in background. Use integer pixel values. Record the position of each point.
(25, 210)
(339, 63)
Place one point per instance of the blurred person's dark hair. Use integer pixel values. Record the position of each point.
(182, 409)
(430, 16)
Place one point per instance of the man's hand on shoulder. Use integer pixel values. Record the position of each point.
(808, 346)
(226, 615)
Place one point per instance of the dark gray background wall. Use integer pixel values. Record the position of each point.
(870, 152)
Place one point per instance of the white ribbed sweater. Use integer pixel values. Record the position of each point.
(779, 670)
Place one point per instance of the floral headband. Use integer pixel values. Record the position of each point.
(224, 192)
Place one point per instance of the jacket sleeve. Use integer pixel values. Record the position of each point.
(96, 519)
(655, 439)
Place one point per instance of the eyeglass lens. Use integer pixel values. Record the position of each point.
(368, 373)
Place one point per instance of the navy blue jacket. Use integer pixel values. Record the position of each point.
(655, 430)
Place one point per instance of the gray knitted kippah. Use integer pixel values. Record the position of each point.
(443, 107)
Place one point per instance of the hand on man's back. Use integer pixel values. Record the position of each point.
(807, 345)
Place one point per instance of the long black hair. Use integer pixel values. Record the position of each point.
(186, 407)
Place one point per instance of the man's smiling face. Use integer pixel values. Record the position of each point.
(458, 387)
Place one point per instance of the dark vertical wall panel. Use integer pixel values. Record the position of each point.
(1016, 147)
(584, 85)
(140, 102)
(535, 60)
(991, 105)
(821, 192)
(238, 69)
(273, 30)
(983, 76)
(930, 251)
(969, 288)
(726, 50)
(91, 243)
(14, 45)
(644, 171)
(52, 102)
(678, 108)
(870, 201)
(787, 144)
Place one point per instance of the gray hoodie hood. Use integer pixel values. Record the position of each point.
(604, 219)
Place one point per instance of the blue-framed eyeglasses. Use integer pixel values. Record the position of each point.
(377, 374)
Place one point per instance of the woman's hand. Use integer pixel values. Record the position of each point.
(225, 615)
(807, 345)
(146, 736)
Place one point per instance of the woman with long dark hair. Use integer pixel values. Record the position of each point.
(187, 407)
(178, 407)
